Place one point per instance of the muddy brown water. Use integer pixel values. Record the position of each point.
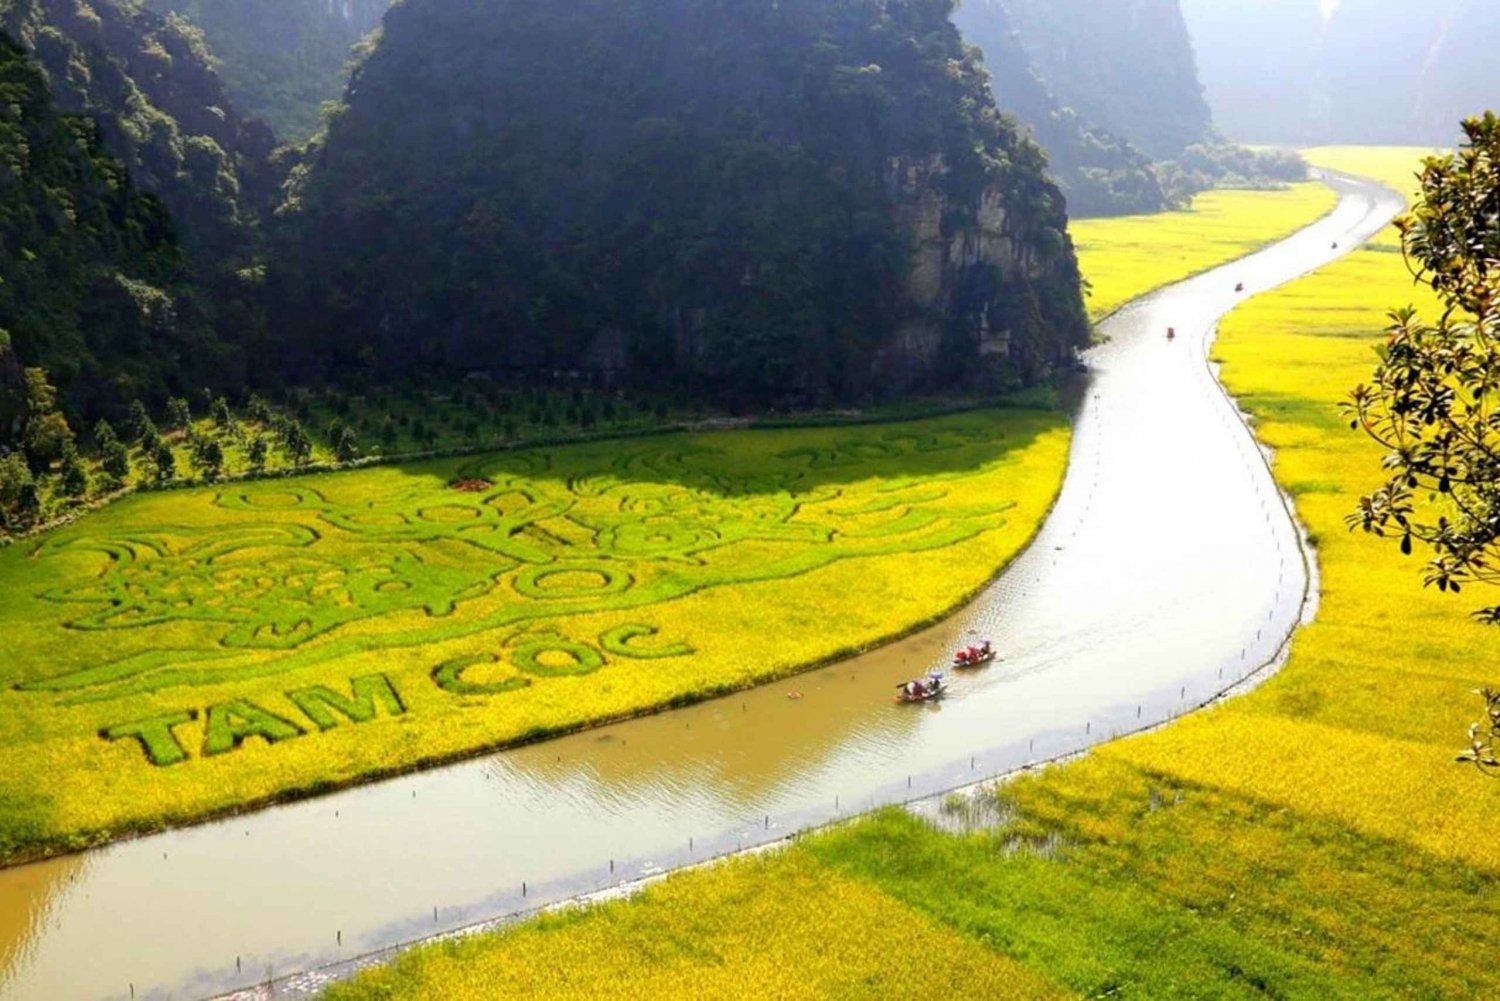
(1169, 571)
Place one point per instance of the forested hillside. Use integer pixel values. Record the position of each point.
(814, 200)
(1377, 71)
(1110, 89)
(281, 60)
(160, 108)
(93, 280)
(1102, 174)
(1125, 65)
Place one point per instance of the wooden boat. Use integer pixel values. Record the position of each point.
(932, 688)
(963, 662)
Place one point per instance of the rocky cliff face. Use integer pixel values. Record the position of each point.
(1388, 73)
(281, 59)
(813, 199)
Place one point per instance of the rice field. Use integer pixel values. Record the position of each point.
(186, 653)
(1124, 258)
(723, 937)
(1314, 839)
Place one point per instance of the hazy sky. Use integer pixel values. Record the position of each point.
(1329, 6)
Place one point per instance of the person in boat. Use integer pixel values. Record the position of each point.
(1171, 333)
(986, 649)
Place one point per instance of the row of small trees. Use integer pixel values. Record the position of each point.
(48, 448)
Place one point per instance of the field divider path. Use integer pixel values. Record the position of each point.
(1170, 571)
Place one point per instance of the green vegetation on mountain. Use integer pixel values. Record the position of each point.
(281, 60)
(93, 282)
(1102, 85)
(1127, 65)
(148, 84)
(796, 202)
(1102, 174)
(137, 273)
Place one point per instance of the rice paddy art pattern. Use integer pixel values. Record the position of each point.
(471, 603)
(660, 525)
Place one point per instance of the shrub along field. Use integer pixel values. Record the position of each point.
(1313, 839)
(194, 651)
(1125, 257)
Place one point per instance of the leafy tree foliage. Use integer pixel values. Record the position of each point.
(91, 272)
(148, 82)
(716, 195)
(1434, 400)
(346, 445)
(208, 457)
(179, 414)
(282, 60)
(257, 452)
(163, 463)
(114, 459)
(75, 479)
(1101, 173)
(15, 475)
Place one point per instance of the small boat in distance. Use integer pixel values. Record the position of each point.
(974, 656)
(921, 691)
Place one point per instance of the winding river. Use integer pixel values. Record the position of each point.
(1170, 572)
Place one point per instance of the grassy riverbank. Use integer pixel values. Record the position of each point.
(188, 653)
(719, 935)
(1311, 840)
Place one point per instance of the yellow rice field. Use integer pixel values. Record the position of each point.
(1126, 257)
(1385, 674)
(1314, 839)
(718, 934)
(191, 652)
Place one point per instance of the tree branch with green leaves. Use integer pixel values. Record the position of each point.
(1432, 400)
